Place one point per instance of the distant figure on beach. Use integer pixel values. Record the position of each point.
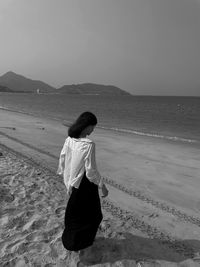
(77, 164)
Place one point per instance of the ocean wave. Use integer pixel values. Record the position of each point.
(1, 107)
(155, 135)
(172, 138)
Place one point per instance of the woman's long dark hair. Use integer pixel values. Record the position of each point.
(84, 120)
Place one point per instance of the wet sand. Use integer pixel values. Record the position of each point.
(151, 214)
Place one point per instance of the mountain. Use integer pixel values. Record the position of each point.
(5, 89)
(18, 82)
(91, 89)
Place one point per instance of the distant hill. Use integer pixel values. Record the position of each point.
(5, 89)
(91, 89)
(18, 82)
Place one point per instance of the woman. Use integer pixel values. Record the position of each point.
(77, 164)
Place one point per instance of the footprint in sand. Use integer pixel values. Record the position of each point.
(9, 128)
(51, 234)
(59, 211)
(34, 224)
(41, 223)
(30, 237)
(15, 262)
(5, 195)
(15, 222)
(22, 248)
(12, 247)
(9, 198)
(40, 127)
(7, 179)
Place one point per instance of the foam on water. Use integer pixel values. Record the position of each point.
(173, 138)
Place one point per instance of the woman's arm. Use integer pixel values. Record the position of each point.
(91, 168)
(92, 172)
(61, 164)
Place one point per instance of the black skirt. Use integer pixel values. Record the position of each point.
(83, 216)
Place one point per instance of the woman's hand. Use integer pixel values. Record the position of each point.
(104, 191)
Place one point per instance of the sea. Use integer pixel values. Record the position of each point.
(172, 118)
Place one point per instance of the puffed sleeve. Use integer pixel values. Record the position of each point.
(90, 167)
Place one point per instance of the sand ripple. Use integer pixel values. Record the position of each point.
(31, 223)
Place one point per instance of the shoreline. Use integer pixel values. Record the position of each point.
(133, 132)
(147, 210)
(116, 151)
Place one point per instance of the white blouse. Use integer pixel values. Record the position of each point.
(78, 156)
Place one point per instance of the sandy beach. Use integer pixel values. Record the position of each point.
(151, 216)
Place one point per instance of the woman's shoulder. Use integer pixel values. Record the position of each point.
(87, 140)
(82, 140)
(84, 143)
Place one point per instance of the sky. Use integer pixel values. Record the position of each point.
(146, 47)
